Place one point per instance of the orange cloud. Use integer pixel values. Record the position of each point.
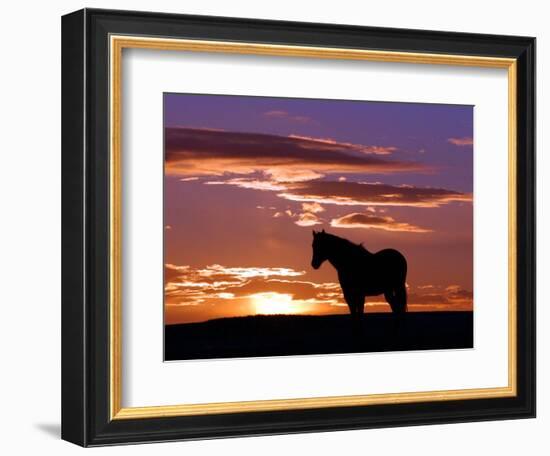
(253, 184)
(307, 219)
(291, 175)
(312, 207)
(198, 294)
(216, 291)
(369, 221)
(435, 297)
(347, 193)
(189, 179)
(461, 142)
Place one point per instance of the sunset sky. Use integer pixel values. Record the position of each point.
(248, 178)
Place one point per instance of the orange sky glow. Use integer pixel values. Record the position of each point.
(244, 191)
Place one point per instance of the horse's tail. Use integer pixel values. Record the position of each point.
(400, 299)
(397, 299)
(400, 290)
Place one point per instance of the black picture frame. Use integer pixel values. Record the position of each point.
(86, 416)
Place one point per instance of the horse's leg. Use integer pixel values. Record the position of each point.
(350, 300)
(397, 299)
(356, 307)
(358, 323)
(390, 298)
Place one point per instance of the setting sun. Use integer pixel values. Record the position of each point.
(271, 303)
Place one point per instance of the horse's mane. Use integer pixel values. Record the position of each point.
(346, 243)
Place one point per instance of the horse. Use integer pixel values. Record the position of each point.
(362, 273)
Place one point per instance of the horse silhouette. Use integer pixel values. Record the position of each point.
(362, 273)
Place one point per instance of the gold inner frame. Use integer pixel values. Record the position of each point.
(117, 44)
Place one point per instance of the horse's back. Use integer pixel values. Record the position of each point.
(396, 255)
(392, 261)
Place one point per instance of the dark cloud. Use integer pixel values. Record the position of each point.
(348, 193)
(195, 152)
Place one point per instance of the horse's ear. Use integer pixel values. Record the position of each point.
(323, 230)
(314, 233)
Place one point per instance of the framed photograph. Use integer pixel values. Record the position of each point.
(278, 227)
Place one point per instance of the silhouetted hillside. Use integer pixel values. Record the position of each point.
(278, 335)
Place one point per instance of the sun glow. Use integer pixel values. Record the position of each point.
(272, 303)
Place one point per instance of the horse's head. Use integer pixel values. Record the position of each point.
(319, 246)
